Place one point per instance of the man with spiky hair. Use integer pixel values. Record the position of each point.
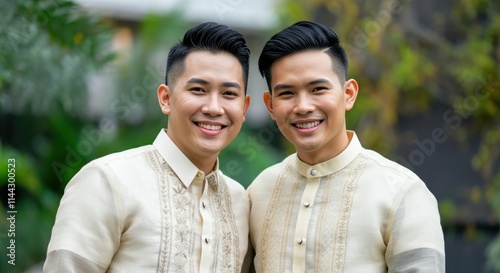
(167, 207)
(333, 206)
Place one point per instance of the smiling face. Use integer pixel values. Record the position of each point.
(206, 106)
(308, 104)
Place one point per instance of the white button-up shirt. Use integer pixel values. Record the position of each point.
(149, 209)
(357, 212)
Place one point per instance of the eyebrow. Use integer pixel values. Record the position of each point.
(288, 86)
(198, 81)
(231, 84)
(204, 82)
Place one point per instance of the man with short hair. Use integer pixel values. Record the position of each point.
(167, 207)
(333, 206)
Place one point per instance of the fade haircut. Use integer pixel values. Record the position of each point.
(212, 37)
(303, 36)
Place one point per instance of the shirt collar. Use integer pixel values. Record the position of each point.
(332, 165)
(180, 164)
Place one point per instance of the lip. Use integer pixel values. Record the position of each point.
(210, 128)
(307, 125)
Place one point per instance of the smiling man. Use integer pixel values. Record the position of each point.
(167, 207)
(333, 206)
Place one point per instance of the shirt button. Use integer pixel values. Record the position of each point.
(313, 172)
(203, 204)
(307, 204)
(300, 241)
(207, 240)
(198, 174)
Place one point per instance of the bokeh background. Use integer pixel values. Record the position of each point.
(78, 81)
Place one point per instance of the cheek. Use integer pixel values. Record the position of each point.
(330, 106)
(280, 110)
(234, 110)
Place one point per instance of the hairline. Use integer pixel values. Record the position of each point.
(178, 67)
(337, 66)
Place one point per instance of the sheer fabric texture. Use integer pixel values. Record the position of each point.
(358, 212)
(149, 209)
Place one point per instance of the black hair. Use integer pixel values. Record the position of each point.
(211, 37)
(303, 36)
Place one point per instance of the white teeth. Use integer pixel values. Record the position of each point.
(209, 127)
(307, 125)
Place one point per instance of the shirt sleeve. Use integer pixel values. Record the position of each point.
(86, 233)
(415, 236)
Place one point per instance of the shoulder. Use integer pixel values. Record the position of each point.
(233, 185)
(104, 167)
(392, 180)
(388, 170)
(122, 157)
(271, 173)
(237, 193)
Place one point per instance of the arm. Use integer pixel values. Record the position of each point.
(86, 233)
(415, 235)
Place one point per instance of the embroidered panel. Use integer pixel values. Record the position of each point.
(176, 219)
(277, 224)
(227, 247)
(178, 234)
(337, 196)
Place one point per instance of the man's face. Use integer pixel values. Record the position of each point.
(308, 103)
(206, 104)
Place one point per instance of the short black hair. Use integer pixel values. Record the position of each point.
(303, 36)
(212, 37)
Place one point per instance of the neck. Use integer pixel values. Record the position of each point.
(207, 165)
(336, 147)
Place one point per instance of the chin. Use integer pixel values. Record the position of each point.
(210, 148)
(308, 147)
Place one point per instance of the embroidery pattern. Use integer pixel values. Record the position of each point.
(226, 248)
(328, 218)
(177, 234)
(332, 233)
(182, 225)
(165, 248)
(277, 221)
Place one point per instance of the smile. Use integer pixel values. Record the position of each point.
(307, 125)
(209, 126)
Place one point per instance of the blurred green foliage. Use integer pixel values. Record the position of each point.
(49, 51)
(50, 48)
(408, 56)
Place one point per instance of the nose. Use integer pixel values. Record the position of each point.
(213, 106)
(303, 104)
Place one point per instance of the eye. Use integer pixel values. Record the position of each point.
(284, 94)
(319, 88)
(197, 90)
(230, 94)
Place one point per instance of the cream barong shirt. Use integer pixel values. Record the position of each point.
(358, 212)
(149, 209)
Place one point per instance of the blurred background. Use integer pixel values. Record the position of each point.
(78, 81)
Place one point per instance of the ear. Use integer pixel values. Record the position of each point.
(350, 93)
(247, 104)
(268, 101)
(164, 96)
